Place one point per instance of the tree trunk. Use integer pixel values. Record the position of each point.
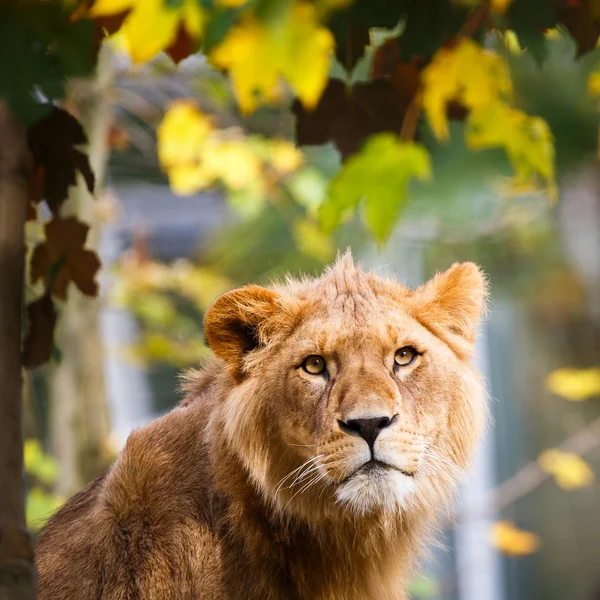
(17, 573)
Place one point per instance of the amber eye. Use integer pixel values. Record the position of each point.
(315, 365)
(405, 356)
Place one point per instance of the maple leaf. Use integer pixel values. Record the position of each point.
(258, 55)
(196, 155)
(62, 258)
(527, 141)
(581, 19)
(53, 142)
(511, 540)
(465, 73)
(574, 384)
(570, 471)
(38, 344)
(349, 115)
(153, 25)
(378, 174)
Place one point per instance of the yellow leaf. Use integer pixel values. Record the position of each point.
(102, 8)
(230, 3)
(574, 384)
(509, 539)
(152, 25)
(181, 139)
(295, 48)
(285, 157)
(312, 241)
(527, 141)
(467, 74)
(594, 83)
(512, 42)
(232, 162)
(569, 470)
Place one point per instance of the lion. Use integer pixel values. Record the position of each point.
(308, 460)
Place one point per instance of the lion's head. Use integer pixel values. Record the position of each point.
(351, 393)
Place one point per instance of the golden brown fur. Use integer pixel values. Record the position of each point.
(256, 487)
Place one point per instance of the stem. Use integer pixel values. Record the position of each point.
(17, 573)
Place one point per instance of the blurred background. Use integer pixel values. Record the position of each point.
(527, 526)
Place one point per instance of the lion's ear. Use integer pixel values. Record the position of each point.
(235, 324)
(454, 300)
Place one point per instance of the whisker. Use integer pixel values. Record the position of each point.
(305, 464)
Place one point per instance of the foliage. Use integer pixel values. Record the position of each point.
(169, 301)
(569, 470)
(379, 174)
(42, 471)
(355, 68)
(511, 540)
(575, 384)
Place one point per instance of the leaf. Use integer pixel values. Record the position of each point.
(53, 142)
(38, 464)
(465, 73)
(511, 540)
(40, 506)
(37, 347)
(527, 141)
(42, 48)
(154, 25)
(581, 19)
(62, 258)
(569, 470)
(378, 174)
(348, 116)
(529, 20)
(575, 384)
(311, 241)
(293, 47)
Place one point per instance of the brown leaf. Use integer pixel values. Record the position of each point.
(106, 26)
(52, 141)
(182, 47)
(353, 48)
(31, 212)
(37, 185)
(62, 258)
(37, 347)
(40, 263)
(580, 20)
(349, 116)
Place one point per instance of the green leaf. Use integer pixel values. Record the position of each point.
(44, 49)
(40, 506)
(38, 464)
(220, 22)
(528, 19)
(379, 175)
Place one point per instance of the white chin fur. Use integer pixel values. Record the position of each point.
(373, 491)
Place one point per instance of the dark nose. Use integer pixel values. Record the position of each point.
(367, 429)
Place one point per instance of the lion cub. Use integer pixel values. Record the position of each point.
(307, 460)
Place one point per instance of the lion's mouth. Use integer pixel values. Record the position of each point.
(375, 467)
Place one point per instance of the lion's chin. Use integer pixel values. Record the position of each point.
(377, 490)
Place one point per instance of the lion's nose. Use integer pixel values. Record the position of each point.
(367, 429)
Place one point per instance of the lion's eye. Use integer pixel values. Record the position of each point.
(315, 365)
(405, 356)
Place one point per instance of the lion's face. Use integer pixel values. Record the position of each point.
(352, 393)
